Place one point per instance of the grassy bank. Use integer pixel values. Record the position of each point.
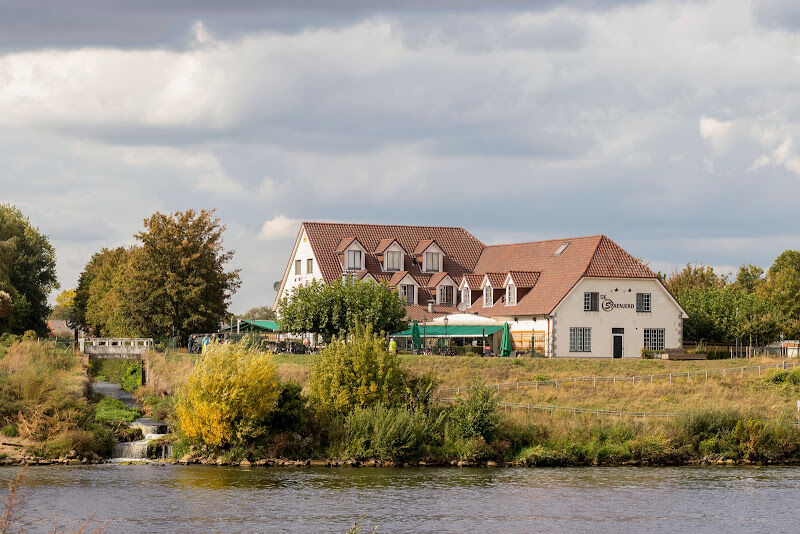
(747, 418)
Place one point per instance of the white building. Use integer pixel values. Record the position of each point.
(582, 296)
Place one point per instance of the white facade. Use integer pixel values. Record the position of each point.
(303, 253)
(617, 315)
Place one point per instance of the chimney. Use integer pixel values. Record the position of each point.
(430, 306)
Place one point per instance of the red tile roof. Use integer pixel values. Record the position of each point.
(524, 278)
(383, 244)
(397, 278)
(344, 243)
(532, 265)
(473, 280)
(496, 279)
(461, 249)
(436, 279)
(423, 245)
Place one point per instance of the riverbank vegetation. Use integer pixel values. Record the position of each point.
(361, 403)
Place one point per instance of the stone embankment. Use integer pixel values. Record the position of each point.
(71, 458)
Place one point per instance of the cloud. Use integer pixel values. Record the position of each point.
(641, 120)
(279, 227)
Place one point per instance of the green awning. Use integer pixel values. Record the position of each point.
(452, 331)
(246, 325)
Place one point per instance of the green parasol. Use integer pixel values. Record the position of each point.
(415, 337)
(505, 343)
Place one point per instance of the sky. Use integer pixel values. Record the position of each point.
(672, 127)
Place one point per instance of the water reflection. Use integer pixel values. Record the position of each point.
(210, 498)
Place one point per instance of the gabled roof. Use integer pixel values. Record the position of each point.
(436, 279)
(496, 279)
(383, 244)
(461, 249)
(423, 245)
(473, 281)
(595, 256)
(344, 243)
(397, 278)
(523, 278)
(611, 261)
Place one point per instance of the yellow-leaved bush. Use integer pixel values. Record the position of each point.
(360, 372)
(228, 396)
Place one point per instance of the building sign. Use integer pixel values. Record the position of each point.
(609, 304)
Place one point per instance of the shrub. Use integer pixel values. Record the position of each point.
(359, 373)
(791, 378)
(385, 432)
(647, 354)
(475, 416)
(109, 410)
(9, 431)
(228, 396)
(29, 335)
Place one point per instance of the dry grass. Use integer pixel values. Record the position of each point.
(746, 394)
(165, 371)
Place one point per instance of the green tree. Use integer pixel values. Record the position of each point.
(359, 373)
(694, 276)
(27, 272)
(336, 309)
(265, 313)
(727, 314)
(97, 305)
(782, 288)
(64, 301)
(176, 282)
(749, 278)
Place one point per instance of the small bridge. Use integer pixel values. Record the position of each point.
(115, 347)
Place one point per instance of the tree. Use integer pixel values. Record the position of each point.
(265, 313)
(97, 305)
(727, 314)
(176, 282)
(27, 272)
(782, 288)
(63, 306)
(749, 278)
(359, 373)
(337, 309)
(694, 276)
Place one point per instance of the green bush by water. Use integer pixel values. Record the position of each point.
(110, 410)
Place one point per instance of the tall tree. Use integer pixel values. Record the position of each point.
(176, 282)
(337, 309)
(96, 305)
(27, 272)
(749, 278)
(782, 288)
(694, 276)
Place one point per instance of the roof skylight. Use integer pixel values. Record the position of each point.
(561, 249)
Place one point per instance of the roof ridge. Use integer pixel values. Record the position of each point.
(546, 240)
(394, 225)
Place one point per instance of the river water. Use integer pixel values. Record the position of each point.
(174, 498)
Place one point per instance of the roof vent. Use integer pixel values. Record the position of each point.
(561, 249)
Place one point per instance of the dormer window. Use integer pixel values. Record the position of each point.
(488, 298)
(511, 295)
(354, 260)
(394, 260)
(466, 296)
(446, 295)
(407, 292)
(432, 262)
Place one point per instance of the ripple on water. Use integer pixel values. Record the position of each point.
(150, 498)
